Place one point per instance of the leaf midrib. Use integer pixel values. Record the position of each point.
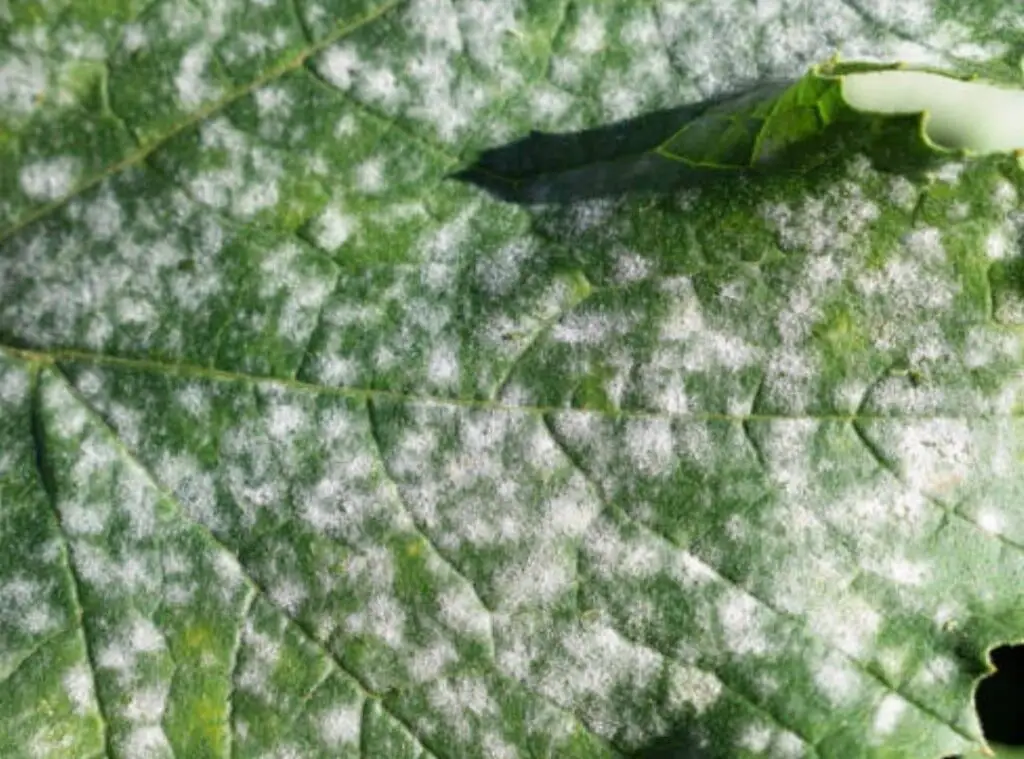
(59, 356)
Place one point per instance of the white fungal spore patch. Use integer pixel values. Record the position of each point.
(22, 80)
(191, 80)
(50, 179)
(888, 715)
(341, 726)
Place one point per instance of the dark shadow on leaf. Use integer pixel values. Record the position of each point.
(607, 161)
(683, 741)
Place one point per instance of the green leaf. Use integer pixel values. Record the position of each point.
(309, 450)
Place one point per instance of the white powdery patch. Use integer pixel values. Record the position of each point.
(191, 82)
(333, 228)
(460, 702)
(892, 661)
(135, 572)
(914, 280)
(426, 664)
(348, 498)
(689, 686)
(552, 108)
(255, 198)
(86, 517)
(697, 33)
(283, 273)
(462, 610)
(991, 521)
(144, 637)
(49, 179)
(937, 672)
(14, 385)
(612, 555)
(827, 224)
(903, 571)
(984, 346)
(138, 500)
(903, 193)
(650, 445)
(135, 38)
(443, 365)
(141, 637)
(620, 101)
(441, 248)
(262, 653)
(251, 470)
(771, 742)
(743, 622)
(289, 593)
(849, 623)
(935, 455)
(147, 704)
(381, 86)
(409, 458)
(25, 605)
(370, 176)
(566, 72)
(786, 451)
(78, 685)
(918, 19)
(902, 398)
(496, 747)
(271, 101)
(788, 745)
(485, 27)
(22, 81)
(425, 85)
(375, 566)
(698, 345)
(631, 267)
(228, 186)
(571, 512)
(589, 36)
(592, 664)
(546, 574)
(512, 333)
(194, 399)
(381, 617)
(839, 681)
(194, 489)
(999, 245)
(104, 216)
(436, 22)
(888, 715)
(648, 76)
(755, 738)
(500, 270)
(340, 725)
(477, 495)
(148, 742)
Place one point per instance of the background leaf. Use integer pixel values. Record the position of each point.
(308, 450)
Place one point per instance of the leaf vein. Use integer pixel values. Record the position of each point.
(49, 486)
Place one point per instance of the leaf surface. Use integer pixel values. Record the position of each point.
(307, 450)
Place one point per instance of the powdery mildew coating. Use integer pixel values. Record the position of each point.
(352, 459)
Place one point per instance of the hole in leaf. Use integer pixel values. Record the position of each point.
(1000, 698)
